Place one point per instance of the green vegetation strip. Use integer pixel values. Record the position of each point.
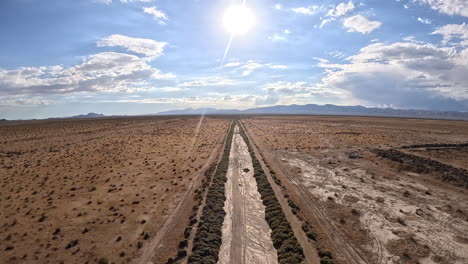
(183, 244)
(288, 248)
(326, 257)
(208, 238)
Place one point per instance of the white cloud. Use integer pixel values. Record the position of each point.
(412, 39)
(337, 54)
(303, 92)
(361, 24)
(156, 13)
(220, 101)
(279, 67)
(449, 7)
(232, 64)
(424, 20)
(171, 89)
(249, 67)
(21, 100)
(337, 11)
(278, 37)
(326, 21)
(341, 9)
(147, 47)
(305, 10)
(404, 74)
(102, 72)
(287, 87)
(453, 33)
(278, 6)
(207, 81)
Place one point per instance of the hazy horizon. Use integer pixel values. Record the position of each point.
(65, 58)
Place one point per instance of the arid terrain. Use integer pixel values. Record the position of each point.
(80, 191)
(367, 200)
(229, 189)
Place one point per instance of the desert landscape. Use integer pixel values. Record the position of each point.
(233, 132)
(83, 191)
(376, 190)
(234, 189)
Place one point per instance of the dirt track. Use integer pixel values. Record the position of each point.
(367, 209)
(246, 234)
(345, 249)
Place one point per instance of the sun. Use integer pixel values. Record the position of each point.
(238, 20)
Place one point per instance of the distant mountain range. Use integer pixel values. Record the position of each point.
(328, 109)
(89, 115)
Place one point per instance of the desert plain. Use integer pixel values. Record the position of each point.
(144, 189)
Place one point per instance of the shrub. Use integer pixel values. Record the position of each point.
(103, 261)
(207, 240)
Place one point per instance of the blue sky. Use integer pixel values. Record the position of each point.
(67, 57)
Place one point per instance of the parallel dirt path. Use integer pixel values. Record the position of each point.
(342, 247)
(310, 253)
(246, 234)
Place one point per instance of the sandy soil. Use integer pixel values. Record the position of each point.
(246, 234)
(390, 209)
(387, 215)
(75, 191)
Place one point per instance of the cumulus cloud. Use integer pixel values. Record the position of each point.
(404, 74)
(310, 10)
(336, 12)
(454, 34)
(449, 7)
(341, 9)
(102, 72)
(361, 24)
(147, 47)
(157, 14)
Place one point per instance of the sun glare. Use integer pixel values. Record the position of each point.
(238, 20)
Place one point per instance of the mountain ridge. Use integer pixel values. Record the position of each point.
(327, 109)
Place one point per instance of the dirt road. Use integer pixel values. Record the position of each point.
(346, 252)
(246, 234)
